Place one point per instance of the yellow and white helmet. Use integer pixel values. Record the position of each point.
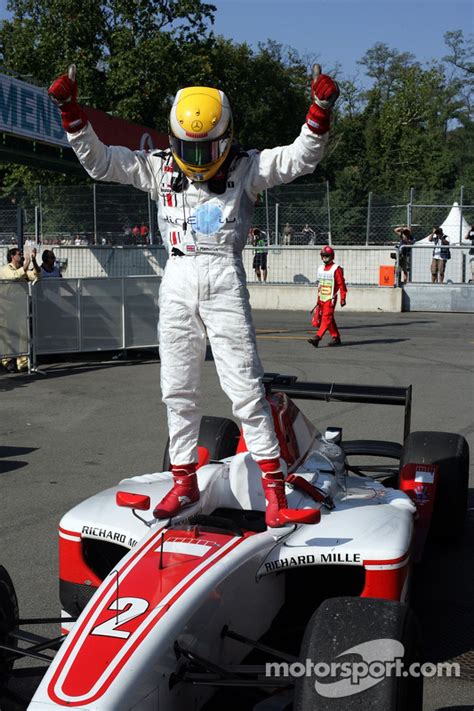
(200, 131)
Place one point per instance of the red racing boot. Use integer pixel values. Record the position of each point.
(277, 513)
(184, 492)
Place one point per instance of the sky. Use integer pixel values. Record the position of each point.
(341, 31)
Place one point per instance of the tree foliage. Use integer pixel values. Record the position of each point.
(412, 128)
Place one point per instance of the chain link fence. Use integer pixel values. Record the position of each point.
(8, 227)
(290, 215)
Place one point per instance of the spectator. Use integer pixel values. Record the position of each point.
(49, 268)
(127, 235)
(288, 232)
(261, 254)
(470, 235)
(404, 251)
(309, 235)
(330, 283)
(17, 266)
(441, 254)
(144, 233)
(77, 241)
(16, 269)
(136, 234)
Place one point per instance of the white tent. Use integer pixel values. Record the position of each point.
(453, 227)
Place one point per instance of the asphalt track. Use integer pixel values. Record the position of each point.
(81, 425)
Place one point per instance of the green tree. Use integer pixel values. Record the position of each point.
(126, 51)
(412, 128)
(384, 66)
(461, 61)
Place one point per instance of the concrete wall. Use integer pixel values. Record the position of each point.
(303, 298)
(298, 267)
(290, 265)
(438, 297)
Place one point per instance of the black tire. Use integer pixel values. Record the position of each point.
(451, 453)
(8, 622)
(342, 623)
(218, 435)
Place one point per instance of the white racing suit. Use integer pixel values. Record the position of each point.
(204, 291)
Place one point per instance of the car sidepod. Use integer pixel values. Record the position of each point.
(370, 527)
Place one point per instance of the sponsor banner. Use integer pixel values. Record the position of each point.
(118, 132)
(26, 110)
(312, 559)
(108, 535)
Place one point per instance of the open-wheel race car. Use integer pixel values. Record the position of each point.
(212, 609)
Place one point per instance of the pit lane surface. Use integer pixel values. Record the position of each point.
(82, 425)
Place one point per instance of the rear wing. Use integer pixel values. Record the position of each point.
(375, 394)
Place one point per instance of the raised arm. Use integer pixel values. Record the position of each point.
(110, 163)
(283, 164)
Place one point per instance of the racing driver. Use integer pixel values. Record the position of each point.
(205, 187)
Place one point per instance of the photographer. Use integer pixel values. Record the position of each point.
(441, 254)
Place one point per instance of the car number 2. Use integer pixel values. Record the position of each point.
(128, 608)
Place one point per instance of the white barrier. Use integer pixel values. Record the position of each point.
(77, 315)
(14, 321)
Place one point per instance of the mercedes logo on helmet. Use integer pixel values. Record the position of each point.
(196, 126)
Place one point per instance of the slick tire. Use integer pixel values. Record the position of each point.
(8, 622)
(339, 625)
(218, 435)
(451, 453)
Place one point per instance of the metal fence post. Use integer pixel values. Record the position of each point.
(94, 202)
(19, 227)
(123, 312)
(461, 200)
(410, 207)
(151, 232)
(40, 200)
(369, 211)
(277, 235)
(267, 217)
(329, 213)
(37, 225)
(32, 360)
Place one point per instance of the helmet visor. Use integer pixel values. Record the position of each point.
(200, 153)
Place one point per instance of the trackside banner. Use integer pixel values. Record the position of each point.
(26, 110)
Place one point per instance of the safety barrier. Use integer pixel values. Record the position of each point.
(78, 315)
(14, 321)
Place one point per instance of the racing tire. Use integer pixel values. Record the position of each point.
(451, 453)
(219, 435)
(339, 625)
(8, 622)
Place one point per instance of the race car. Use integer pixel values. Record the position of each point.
(211, 606)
